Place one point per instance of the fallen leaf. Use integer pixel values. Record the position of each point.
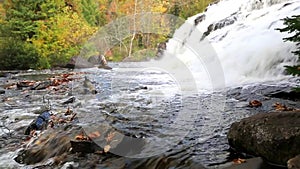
(94, 134)
(239, 161)
(255, 103)
(110, 136)
(68, 112)
(72, 117)
(107, 148)
(282, 107)
(81, 136)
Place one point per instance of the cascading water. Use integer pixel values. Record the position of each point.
(240, 39)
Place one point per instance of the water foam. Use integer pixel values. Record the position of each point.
(237, 40)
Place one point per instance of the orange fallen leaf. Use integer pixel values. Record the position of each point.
(282, 107)
(239, 161)
(62, 121)
(107, 148)
(65, 75)
(72, 117)
(110, 136)
(255, 103)
(81, 136)
(94, 134)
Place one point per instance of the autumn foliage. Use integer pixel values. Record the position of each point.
(41, 34)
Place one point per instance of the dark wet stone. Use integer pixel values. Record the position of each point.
(292, 95)
(41, 86)
(51, 143)
(275, 136)
(95, 59)
(222, 23)
(199, 19)
(161, 48)
(84, 146)
(78, 62)
(90, 88)
(70, 100)
(104, 67)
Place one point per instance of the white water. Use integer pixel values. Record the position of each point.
(248, 51)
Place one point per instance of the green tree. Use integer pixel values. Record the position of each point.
(57, 42)
(91, 13)
(14, 54)
(22, 16)
(20, 24)
(293, 26)
(51, 30)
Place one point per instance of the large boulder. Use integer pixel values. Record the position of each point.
(78, 62)
(275, 136)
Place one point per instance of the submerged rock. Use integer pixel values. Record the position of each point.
(49, 144)
(275, 136)
(70, 100)
(2, 91)
(287, 95)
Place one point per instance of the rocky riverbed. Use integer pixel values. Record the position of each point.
(125, 119)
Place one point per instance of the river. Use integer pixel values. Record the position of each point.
(144, 105)
(176, 110)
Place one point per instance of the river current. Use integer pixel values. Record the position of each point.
(143, 104)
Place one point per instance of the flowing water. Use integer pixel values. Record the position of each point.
(181, 106)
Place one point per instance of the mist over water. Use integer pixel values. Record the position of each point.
(239, 40)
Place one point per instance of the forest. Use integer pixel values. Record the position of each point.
(40, 34)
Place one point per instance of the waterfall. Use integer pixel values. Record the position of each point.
(235, 42)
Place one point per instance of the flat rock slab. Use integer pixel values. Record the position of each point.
(275, 136)
(253, 163)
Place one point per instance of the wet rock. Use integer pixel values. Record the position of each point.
(41, 85)
(84, 146)
(161, 48)
(25, 83)
(104, 67)
(2, 91)
(99, 59)
(199, 19)
(70, 100)
(275, 136)
(294, 163)
(89, 87)
(50, 144)
(288, 95)
(69, 165)
(78, 62)
(222, 23)
(95, 59)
